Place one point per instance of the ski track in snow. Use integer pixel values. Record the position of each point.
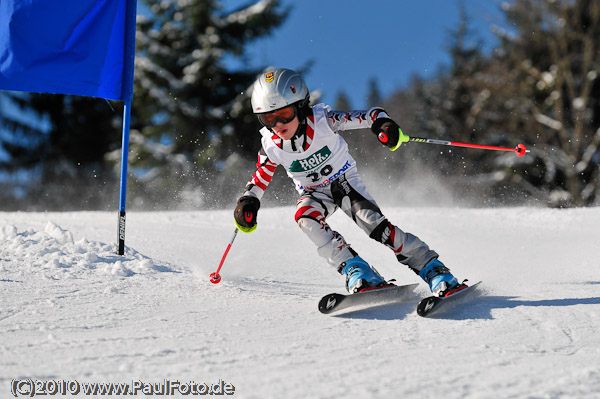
(70, 308)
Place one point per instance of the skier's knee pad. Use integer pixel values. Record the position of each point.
(383, 233)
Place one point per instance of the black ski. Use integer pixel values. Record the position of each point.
(374, 297)
(432, 304)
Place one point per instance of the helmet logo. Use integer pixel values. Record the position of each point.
(293, 88)
(269, 77)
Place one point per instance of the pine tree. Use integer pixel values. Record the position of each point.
(59, 142)
(374, 95)
(23, 132)
(452, 103)
(192, 123)
(553, 53)
(22, 138)
(342, 102)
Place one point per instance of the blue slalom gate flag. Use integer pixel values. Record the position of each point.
(79, 47)
(68, 47)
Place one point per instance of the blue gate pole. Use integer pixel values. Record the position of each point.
(123, 184)
(127, 96)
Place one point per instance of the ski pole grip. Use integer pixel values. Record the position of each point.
(402, 138)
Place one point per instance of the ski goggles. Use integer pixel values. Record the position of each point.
(283, 115)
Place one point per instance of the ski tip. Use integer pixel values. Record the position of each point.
(328, 303)
(426, 305)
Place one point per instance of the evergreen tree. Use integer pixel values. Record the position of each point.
(59, 142)
(373, 96)
(451, 105)
(23, 132)
(21, 143)
(552, 57)
(539, 87)
(342, 102)
(73, 170)
(191, 114)
(461, 100)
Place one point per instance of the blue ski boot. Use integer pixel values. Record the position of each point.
(359, 275)
(438, 277)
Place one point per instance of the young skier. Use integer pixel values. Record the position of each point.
(305, 141)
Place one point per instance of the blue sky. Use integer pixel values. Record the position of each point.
(352, 41)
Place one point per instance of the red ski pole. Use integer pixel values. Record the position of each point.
(520, 149)
(215, 277)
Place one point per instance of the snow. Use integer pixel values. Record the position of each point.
(70, 308)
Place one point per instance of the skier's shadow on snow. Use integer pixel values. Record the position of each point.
(390, 311)
(474, 308)
(482, 307)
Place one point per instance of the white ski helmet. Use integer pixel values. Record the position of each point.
(277, 89)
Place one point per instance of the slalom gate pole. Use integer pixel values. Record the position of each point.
(520, 149)
(215, 277)
(123, 181)
(127, 97)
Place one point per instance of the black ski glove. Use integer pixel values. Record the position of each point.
(245, 213)
(388, 133)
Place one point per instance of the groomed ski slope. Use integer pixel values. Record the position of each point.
(71, 309)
